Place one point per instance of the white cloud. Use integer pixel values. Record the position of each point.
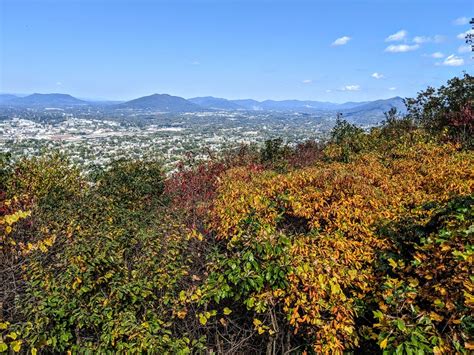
(421, 39)
(307, 81)
(464, 34)
(58, 83)
(453, 61)
(351, 88)
(464, 49)
(195, 62)
(427, 39)
(437, 55)
(328, 90)
(400, 48)
(398, 36)
(341, 41)
(377, 75)
(392, 88)
(460, 21)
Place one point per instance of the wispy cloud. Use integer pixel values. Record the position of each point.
(452, 61)
(341, 41)
(351, 88)
(460, 21)
(58, 83)
(401, 48)
(397, 36)
(427, 39)
(377, 76)
(437, 55)
(307, 81)
(464, 49)
(196, 62)
(392, 88)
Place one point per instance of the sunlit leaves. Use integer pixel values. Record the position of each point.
(328, 215)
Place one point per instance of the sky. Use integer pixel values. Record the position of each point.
(315, 50)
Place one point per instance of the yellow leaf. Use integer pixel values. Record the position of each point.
(436, 317)
(227, 311)
(76, 283)
(42, 247)
(181, 314)
(16, 345)
(392, 263)
(202, 319)
(383, 343)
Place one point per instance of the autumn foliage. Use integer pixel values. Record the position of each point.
(362, 244)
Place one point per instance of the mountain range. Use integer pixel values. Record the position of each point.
(370, 110)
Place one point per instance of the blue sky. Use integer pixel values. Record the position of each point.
(319, 50)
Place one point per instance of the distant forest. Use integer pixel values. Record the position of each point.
(360, 244)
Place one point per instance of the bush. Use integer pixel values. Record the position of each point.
(426, 300)
(131, 184)
(300, 247)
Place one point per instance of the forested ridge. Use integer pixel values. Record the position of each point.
(361, 244)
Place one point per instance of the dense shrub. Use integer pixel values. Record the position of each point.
(130, 184)
(302, 244)
(426, 298)
(86, 270)
(361, 245)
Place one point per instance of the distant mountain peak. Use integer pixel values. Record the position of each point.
(161, 102)
(45, 100)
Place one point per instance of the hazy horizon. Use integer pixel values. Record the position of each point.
(104, 99)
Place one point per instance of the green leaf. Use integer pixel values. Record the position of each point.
(401, 324)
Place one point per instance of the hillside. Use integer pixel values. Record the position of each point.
(6, 97)
(373, 112)
(215, 103)
(162, 103)
(248, 104)
(45, 100)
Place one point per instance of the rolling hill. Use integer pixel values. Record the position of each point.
(7, 97)
(215, 103)
(45, 100)
(373, 112)
(162, 103)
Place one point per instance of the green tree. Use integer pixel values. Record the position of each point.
(349, 137)
(447, 109)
